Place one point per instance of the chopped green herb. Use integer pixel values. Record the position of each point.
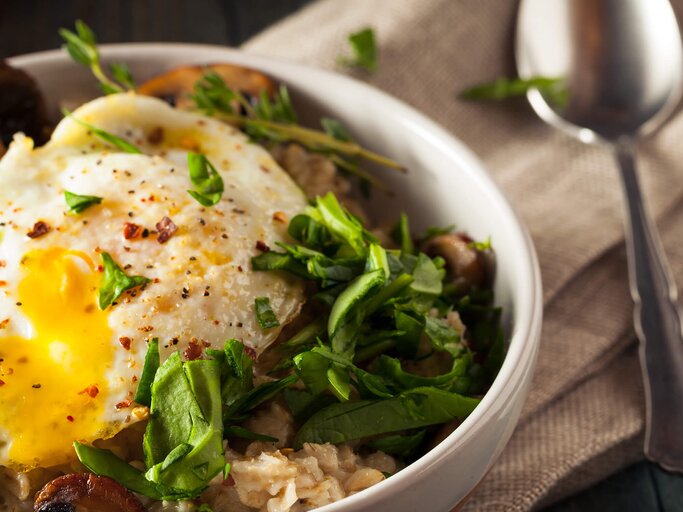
(364, 50)
(77, 203)
(205, 178)
(264, 313)
(504, 88)
(400, 446)
(114, 140)
(82, 46)
(115, 282)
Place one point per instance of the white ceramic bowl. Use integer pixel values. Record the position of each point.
(446, 185)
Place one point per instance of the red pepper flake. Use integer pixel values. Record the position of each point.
(92, 391)
(123, 405)
(250, 352)
(131, 230)
(195, 349)
(156, 136)
(146, 328)
(70, 418)
(2, 382)
(125, 342)
(40, 228)
(4, 323)
(166, 229)
(3, 283)
(262, 246)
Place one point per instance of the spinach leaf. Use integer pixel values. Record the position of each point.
(115, 282)
(341, 224)
(76, 203)
(237, 374)
(206, 179)
(143, 395)
(272, 260)
(105, 463)
(358, 289)
(415, 408)
(397, 445)
(426, 277)
(183, 442)
(303, 404)
(237, 410)
(442, 336)
(264, 313)
(243, 433)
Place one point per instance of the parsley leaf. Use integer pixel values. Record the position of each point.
(112, 139)
(77, 203)
(206, 180)
(364, 49)
(264, 313)
(115, 282)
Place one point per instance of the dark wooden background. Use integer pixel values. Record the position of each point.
(31, 25)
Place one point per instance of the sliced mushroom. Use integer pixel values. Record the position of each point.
(176, 85)
(22, 106)
(468, 267)
(78, 492)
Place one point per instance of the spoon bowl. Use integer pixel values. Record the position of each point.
(619, 61)
(619, 67)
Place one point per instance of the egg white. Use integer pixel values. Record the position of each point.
(203, 286)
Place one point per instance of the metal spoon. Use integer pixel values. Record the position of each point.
(620, 68)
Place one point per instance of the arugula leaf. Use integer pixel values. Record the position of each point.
(397, 445)
(364, 50)
(419, 407)
(115, 282)
(264, 313)
(77, 203)
(206, 180)
(143, 395)
(504, 88)
(112, 139)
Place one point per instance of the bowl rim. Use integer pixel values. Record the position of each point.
(525, 336)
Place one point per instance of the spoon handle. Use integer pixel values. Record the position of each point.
(657, 323)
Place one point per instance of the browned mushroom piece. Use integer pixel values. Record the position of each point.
(468, 267)
(22, 106)
(175, 86)
(78, 492)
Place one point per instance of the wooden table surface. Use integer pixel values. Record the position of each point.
(31, 25)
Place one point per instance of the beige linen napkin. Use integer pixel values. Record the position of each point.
(583, 418)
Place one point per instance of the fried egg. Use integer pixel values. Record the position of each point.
(68, 370)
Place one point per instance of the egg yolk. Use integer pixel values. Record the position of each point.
(53, 383)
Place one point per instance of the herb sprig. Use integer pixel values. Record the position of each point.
(82, 46)
(104, 135)
(504, 88)
(274, 120)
